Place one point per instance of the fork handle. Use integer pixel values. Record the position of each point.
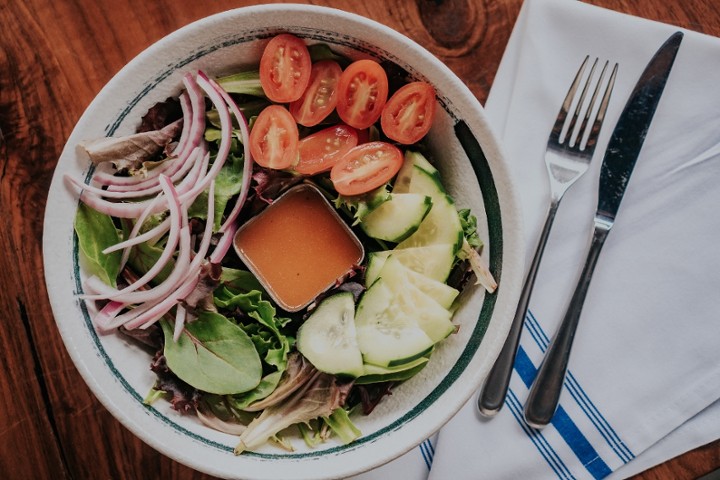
(545, 392)
(492, 396)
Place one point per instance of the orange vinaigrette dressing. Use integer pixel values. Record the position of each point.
(298, 247)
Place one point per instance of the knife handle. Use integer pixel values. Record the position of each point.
(492, 395)
(545, 392)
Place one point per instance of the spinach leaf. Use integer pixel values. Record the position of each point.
(227, 185)
(213, 355)
(267, 385)
(96, 232)
(240, 280)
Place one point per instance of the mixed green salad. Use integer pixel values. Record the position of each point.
(156, 224)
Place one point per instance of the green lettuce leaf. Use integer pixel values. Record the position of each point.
(227, 185)
(468, 221)
(342, 426)
(213, 355)
(96, 231)
(263, 327)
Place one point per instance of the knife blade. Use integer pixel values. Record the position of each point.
(629, 135)
(620, 157)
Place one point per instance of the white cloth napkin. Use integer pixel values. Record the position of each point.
(644, 376)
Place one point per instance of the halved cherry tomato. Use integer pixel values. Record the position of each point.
(362, 93)
(274, 138)
(408, 115)
(320, 97)
(321, 150)
(285, 68)
(366, 167)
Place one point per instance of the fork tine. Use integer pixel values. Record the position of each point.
(595, 130)
(570, 135)
(584, 123)
(565, 108)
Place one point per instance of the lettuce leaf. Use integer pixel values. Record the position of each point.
(468, 221)
(320, 397)
(213, 355)
(96, 231)
(342, 426)
(258, 319)
(227, 185)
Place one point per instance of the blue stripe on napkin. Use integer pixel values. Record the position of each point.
(579, 395)
(564, 425)
(427, 453)
(538, 439)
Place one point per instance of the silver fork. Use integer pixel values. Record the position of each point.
(569, 150)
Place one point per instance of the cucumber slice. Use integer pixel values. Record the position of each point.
(442, 293)
(428, 261)
(429, 314)
(442, 224)
(369, 369)
(433, 261)
(404, 176)
(375, 374)
(386, 335)
(328, 338)
(397, 218)
(376, 260)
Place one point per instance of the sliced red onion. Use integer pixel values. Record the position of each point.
(170, 246)
(207, 233)
(187, 192)
(187, 112)
(134, 210)
(149, 313)
(170, 283)
(224, 244)
(190, 164)
(197, 101)
(247, 156)
(95, 285)
(106, 314)
(180, 316)
(225, 135)
(156, 310)
(194, 176)
(160, 229)
(177, 167)
(164, 227)
(196, 128)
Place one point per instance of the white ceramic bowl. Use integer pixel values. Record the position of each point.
(474, 172)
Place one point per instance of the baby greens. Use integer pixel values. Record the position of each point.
(96, 232)
(213, 354)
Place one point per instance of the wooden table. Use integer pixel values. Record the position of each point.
(54, 58)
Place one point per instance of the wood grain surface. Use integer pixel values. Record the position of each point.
(55, 56)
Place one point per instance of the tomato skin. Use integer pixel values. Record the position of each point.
(408, 115)
(285, 68)
(320, 151)
(366, 167)
(320, 97)
(274, 138)
(362, 93)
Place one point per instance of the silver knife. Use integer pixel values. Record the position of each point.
(620, 157)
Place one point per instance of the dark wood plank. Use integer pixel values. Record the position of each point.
(54, 58)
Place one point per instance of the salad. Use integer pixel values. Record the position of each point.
(157, 222)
